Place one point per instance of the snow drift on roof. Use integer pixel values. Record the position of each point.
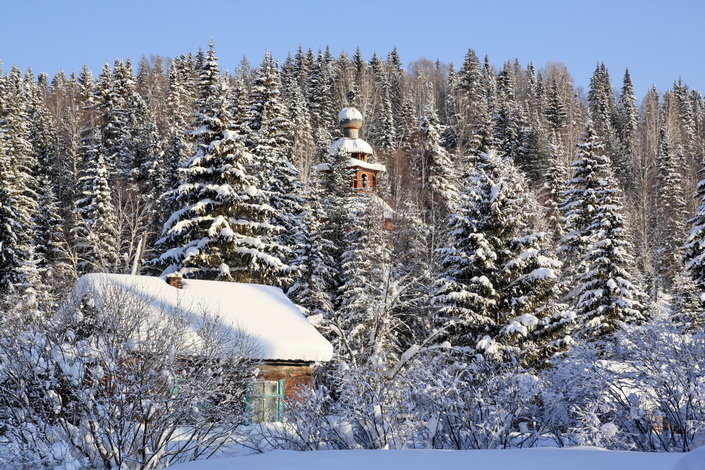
(351, 146)
(263, 313)
(386, 209)
(353, 162)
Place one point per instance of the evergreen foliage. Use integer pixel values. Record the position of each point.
(671, 210)
(597, 245)
(95, 232)
(497, 275)
(362, 322)
(440, 291)
(694, 249)
(269, 142)
(221, 229)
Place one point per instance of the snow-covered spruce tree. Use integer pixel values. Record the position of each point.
(403, 107)
(555, 111)
(382, 130)
(436, 168)
(688, 308)
(497, 282)
(18, 168)
(70, 112)
(302, 137)
(113, 125)
(41, 132)
(554, 179)
(177, 142)
(483, 139)
(301, 66)
(180, 101)
(451, 111)
(489, 85)
(269, 142)
(48, 239)
(51, 242)
(333, 190)
(470, 85)
(680, 101)
(537, 151)
(11, 256)
(627, 129)
(671, 212)
(336, 192)
(466, 91)
(597, 244)
(319, 94)
(694, 249)
(511, 121)
(603, 113)
(94, 235)
(362, 323)
(221, 228)
(313, 287)
(578, 205)
(437, 173)
(129, 132)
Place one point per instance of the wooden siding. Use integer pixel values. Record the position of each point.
(296, 376)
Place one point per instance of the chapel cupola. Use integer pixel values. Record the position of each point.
(350, 120)
(366, 173)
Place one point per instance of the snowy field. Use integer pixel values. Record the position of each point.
(583, 458)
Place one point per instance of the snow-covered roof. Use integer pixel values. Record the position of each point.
(351, 146)
(386, 209)
(349, 114)
(353, 162)
(261, 313)
(367, 165)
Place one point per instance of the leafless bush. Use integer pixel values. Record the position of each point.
(642, 390)
(364, 408)
(121, 384)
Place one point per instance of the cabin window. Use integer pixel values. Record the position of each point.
(365, 183)
(266, 400)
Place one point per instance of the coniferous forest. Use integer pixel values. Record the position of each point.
(529, 269)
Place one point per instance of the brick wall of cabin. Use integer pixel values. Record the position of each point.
(296, 376)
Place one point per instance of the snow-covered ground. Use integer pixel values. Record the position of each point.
(581, 458)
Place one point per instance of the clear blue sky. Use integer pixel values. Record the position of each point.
(659, 40)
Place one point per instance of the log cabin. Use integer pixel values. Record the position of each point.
(282, 341)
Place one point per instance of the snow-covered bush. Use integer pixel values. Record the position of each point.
(643, 389)
(448, 401)
(112, 385)
(476, 403)
(365, 407)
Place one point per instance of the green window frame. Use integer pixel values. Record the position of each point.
(265, 400)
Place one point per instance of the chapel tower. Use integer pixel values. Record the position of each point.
(366, 174)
